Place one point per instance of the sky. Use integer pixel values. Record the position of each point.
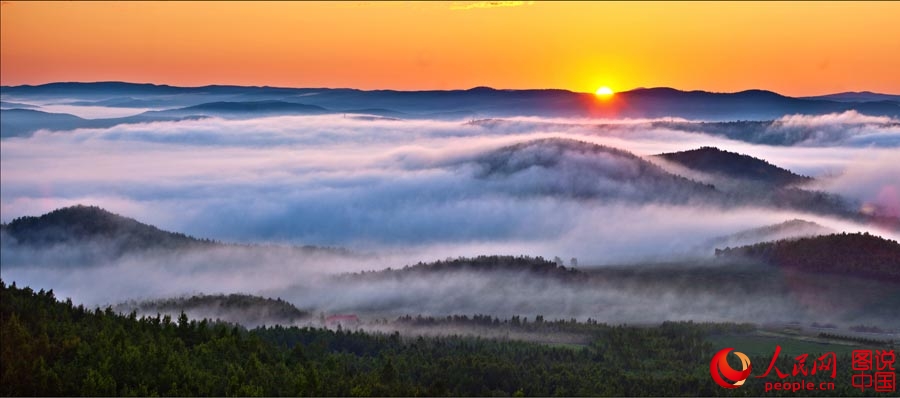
(802, 48)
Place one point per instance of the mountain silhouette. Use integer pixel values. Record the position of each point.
(858, 96)
(256, 108)
(485, 101)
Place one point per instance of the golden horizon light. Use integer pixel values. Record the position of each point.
(805, 49)
(604, 92)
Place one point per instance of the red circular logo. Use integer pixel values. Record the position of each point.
(719, 367)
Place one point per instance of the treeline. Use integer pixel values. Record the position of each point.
(534, 265)
(856, 254)
(252, 309)
(52, 348)
(540, 325)
(858, 339)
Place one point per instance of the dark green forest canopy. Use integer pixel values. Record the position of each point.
(252, 307)
(716, 161)
(58, 348)
(856, 254)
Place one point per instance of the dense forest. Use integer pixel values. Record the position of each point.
(856, 254)
(57, 348)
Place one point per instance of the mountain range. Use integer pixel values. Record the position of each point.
(479, 102)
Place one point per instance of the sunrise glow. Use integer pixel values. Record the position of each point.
(604, 92)
(803, 50)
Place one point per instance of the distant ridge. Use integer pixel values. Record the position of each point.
(481, 101)
(25, 122)
(262, 107)
(857, 96)
(120, 87)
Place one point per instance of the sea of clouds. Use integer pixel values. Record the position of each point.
(403, 191)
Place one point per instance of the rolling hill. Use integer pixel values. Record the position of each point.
(556, 166)
(715, 161)
(791, 229)
(106, 233)
(83, 224)
(857, 255)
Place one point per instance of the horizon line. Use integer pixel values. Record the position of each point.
(444, 90)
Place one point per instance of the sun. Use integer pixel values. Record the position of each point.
(604, 92)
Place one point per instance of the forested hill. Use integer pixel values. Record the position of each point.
(861, 255)
(51, 348)
(790, 229)
(734, 165)
(572, 168)
(243, 309)
(92, 225)
(519, 264)
(80, 224)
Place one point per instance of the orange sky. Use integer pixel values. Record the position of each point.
(792, 48)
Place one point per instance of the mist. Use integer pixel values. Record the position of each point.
(397, 192)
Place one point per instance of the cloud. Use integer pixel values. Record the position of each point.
(470, 5)
(849, 128)
(304, 280)
(404, 191)
(872, 180)
(367, 183)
